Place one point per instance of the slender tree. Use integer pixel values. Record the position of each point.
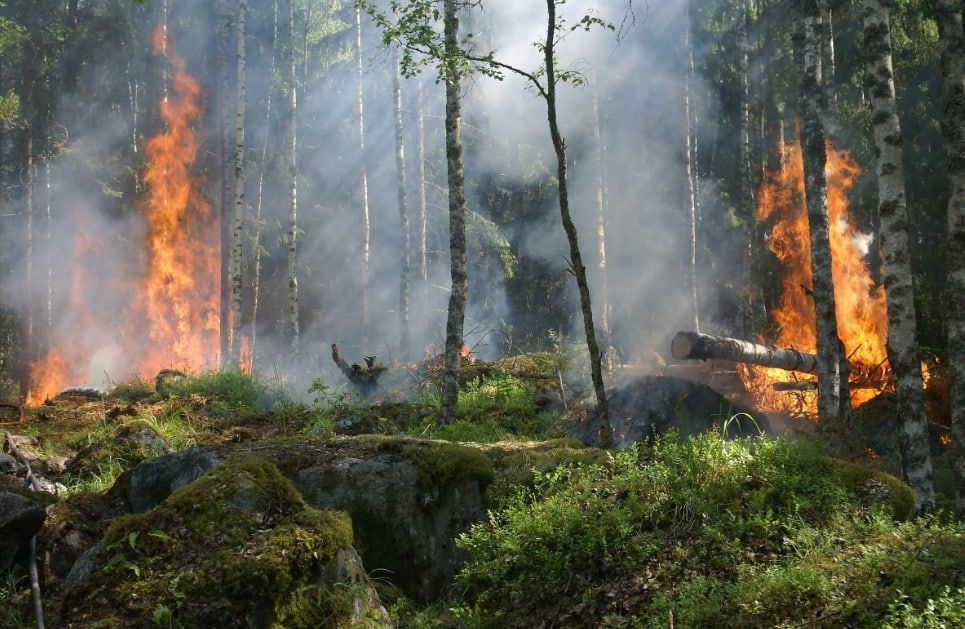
(363, 179)
(457, 213)
(952, 46)
(599, 174)
(293, 329)
(27, 180)
(745, 185)
(256, 237)
(831, 402)
(423, 204)
(689, 151)
(237, 222)
(893, 214)
(225, 176)
(403, 209)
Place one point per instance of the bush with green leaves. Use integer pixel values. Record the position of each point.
(232, 388)
(715, 532)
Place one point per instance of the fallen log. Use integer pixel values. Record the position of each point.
(696, 346)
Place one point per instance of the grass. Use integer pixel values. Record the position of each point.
(495, 407)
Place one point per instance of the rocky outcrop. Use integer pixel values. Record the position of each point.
(408, 499)
(238, 547)
(20, 519)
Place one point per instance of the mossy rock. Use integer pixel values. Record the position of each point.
(237, 548)
(131, 443)
(384, 418)
(875, 487)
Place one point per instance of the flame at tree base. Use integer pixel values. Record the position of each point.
(171, 316)
(859, 303)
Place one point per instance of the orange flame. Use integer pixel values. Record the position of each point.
(173, 315)
(860, 304)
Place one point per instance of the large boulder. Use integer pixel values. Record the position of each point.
(20, 519)
(149, 483)
(238, 547)
(651, 405)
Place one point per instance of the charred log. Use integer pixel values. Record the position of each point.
(364, 378)
(695, 346)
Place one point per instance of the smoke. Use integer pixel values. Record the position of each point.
(639, 83)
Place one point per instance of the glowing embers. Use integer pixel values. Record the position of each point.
(860, 304)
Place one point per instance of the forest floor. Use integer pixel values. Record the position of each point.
(675, 531)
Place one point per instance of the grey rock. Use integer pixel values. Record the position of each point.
(401, 529)
(81, 569)
(8, 464)
(152, 481)
(20, 519)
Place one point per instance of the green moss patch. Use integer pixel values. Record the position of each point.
(238, 547)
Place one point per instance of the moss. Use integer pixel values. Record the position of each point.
(441, 464)
(872, 486)
(239, 545)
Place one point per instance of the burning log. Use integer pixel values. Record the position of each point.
(696, 346)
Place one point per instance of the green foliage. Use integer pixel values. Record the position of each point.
(947, 610)
(723, 533)
(132, 391)
(237, 390)
(494, 407)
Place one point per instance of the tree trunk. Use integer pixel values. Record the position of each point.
(403, 210)
(748, 290)
(457, 216)
(225, 177)
(293, 332)
(237, 223)
(695, 346)
(952, 45)
(27, 179)
(609, 357)
(688, 161)
(893, 214)
(828, 72)
(831, 402)
(363, 181)
(48, 270)
(604, 431)
(256, 238)
(423, 205)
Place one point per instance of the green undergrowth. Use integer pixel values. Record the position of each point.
(739, 533)
(238, 547)
(494, 407)
(230, 391)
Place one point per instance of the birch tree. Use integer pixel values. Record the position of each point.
(404, 279)
(237, 222)
(256, 237)
(745, 184)
(952, 46)
(599, 174)
(831, 381)
(893, 214)
(224, 175)
(293, 331)
(363, 179)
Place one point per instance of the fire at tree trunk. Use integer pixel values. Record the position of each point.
(692, 345)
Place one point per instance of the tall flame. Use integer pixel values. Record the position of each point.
(860, 304)
(172, 316)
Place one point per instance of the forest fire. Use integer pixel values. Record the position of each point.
(860, 304)
(172, 315)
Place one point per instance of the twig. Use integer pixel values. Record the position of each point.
(35, 584)
(559, 375)
(31, 479)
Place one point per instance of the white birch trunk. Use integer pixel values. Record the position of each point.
(237, 222)
(363, 181)
(293, 328)
(404, 279)
(893, 213)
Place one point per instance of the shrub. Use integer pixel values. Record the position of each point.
(720, 533)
